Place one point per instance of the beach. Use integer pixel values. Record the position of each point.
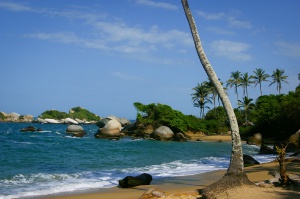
(188, 186)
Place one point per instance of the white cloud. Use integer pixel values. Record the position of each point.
(220, 31)
(209, 16)
(14, 6)
(231, 50)
(126, 76)
(157, 4)
(288, 49)
(231, 20)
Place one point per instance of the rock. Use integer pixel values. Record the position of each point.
(264, 149)
(79, 134)
(51, 121)
(163, 133)
(111, 129)
(124, 121)
(74, 128)
(256, 139)
(153, 193)
(249, 160)
(103, 122)
(30, 129)
(180, 137)
(295, 138)
(69, 121)
(132, 181)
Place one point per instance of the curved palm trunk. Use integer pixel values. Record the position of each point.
(236, 164)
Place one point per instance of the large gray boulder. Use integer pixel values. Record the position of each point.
(163, 133)
(112, 129)
(69, 121)
(75, 130)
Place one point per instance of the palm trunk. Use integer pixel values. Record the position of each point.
(235, 173)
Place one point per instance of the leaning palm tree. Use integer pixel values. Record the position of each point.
(201, 97)
(247, 105)
(278, 78)
(235, 80)
(245, 81)
(259, 77)
(235, 175)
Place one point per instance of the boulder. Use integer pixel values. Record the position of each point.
(180, 137)
(51, 121)
(264, 149)
(111, 129)
(132, 181)
(71, 129)
(163, 133)
(30, 129)
(26, 118)
(103, 122)
(295, 138)
(70, 121)
(256, 139)
(249, 160)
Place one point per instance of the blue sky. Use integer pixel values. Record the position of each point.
(106, 55)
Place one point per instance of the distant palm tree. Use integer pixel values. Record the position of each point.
(234, 80)
(259, 77)
(247, 106)
(278, 78)
(212, 91)
(245, 81)
(200, 97)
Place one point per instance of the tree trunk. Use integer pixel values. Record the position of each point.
(235, 173)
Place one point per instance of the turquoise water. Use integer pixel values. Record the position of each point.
(49, 162)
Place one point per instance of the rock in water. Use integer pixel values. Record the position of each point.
(132, 181)
(111, 129)
(163, 133)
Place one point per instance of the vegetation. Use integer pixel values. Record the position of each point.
(76, 112)
(2, 116)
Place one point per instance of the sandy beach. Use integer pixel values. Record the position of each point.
(188, 186)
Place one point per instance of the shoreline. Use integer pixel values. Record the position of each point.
(189, 184)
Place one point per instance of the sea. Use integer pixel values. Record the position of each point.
(36, 164)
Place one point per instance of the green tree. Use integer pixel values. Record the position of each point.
(235, 81)
(278, 78)
(247, 105)
(235, 175)
(259, 77)
(201, 97)
(245, 81)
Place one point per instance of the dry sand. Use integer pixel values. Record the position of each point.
(188, 186)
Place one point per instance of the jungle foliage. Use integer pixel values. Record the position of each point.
(76, 112)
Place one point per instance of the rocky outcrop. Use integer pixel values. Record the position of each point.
(264, 149)
(132, 181)
(162, 133)
(75, 130)
(69, 121)
(15, 117)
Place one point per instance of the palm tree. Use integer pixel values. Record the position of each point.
(235, 175)
(212, 91)
(234, 80)
(278, 78)
(245, 81)
(200, 97)
(259, 77)
(247, 106)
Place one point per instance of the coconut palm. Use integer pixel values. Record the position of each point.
(278, 78)
(212, 91)
(245, 81)
(201, 97)
(259, 77)
(247, 106)
(235, 175)
(234, 80)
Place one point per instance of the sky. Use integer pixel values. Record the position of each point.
(105, 55)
